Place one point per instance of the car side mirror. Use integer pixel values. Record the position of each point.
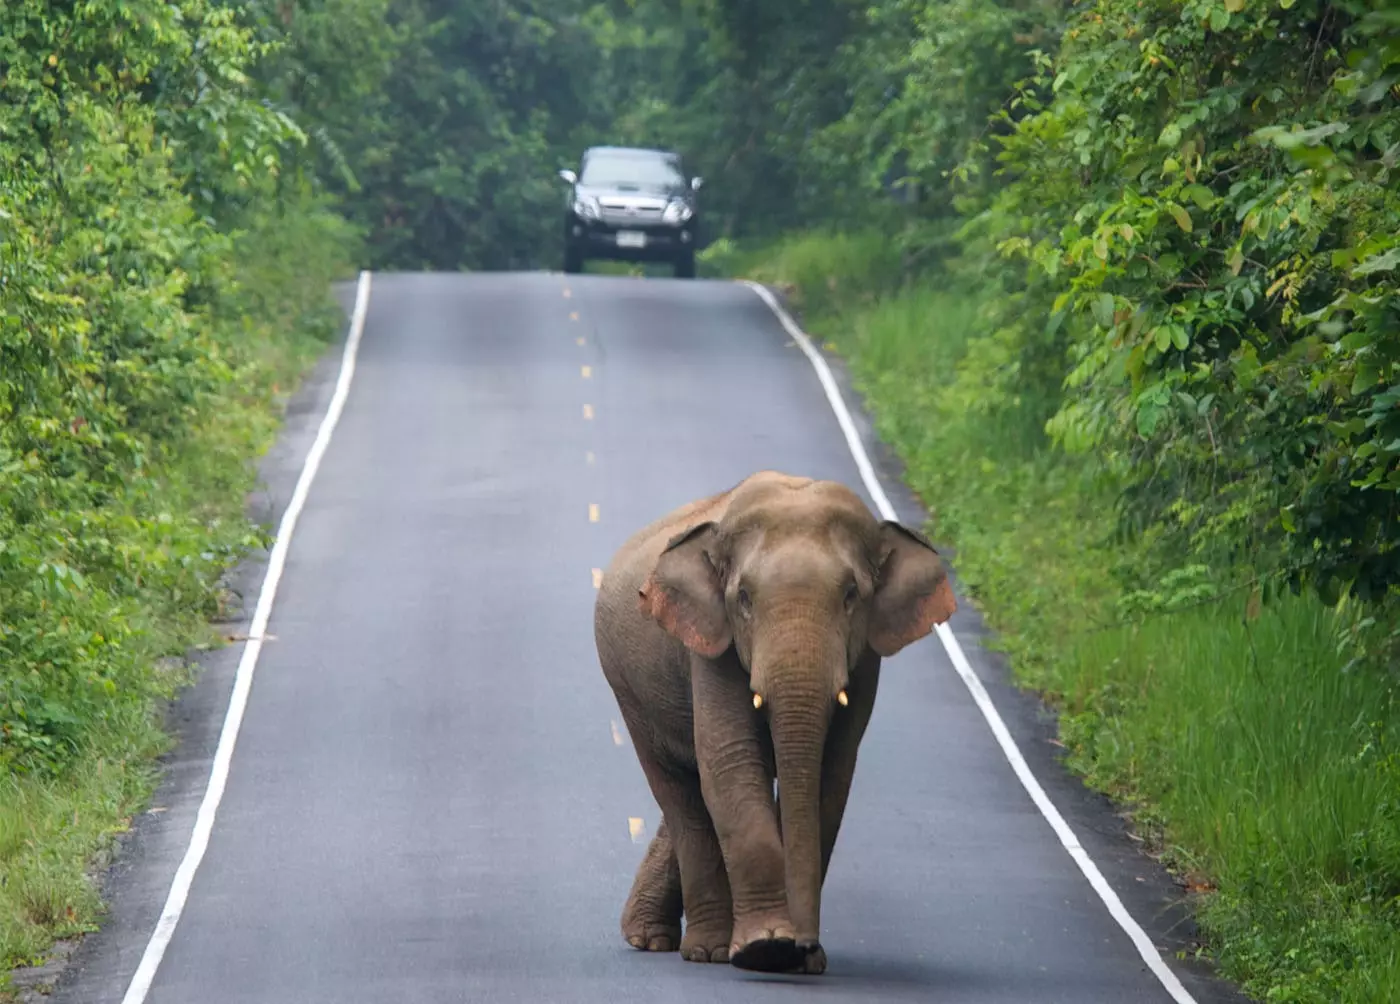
(695, 183)
(569, 176)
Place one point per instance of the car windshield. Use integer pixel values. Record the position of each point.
(620, 169)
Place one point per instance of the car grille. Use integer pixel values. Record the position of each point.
(621, 213)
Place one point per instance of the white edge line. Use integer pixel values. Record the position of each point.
(145, 973)
(1139, 937)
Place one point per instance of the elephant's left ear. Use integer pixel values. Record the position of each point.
(684, 595)
(912, 592)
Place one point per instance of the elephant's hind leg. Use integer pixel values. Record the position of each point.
(651, 920)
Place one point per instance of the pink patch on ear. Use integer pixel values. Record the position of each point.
(939, 607)
(657, 603)
(935, 608)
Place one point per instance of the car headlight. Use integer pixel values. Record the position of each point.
(587, 208)
(677, 212)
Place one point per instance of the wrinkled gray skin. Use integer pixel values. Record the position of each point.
(785, 588)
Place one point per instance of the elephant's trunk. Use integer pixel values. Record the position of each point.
(799, 667)
(799, 723)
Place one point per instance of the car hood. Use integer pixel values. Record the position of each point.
(632, 195)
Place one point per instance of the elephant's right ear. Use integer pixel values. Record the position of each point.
(683, 593)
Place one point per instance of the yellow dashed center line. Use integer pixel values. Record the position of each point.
(587, 412)
(568, 292)
(593, 512)
(573, 315)
(617, 734)
(589, 457)
(580, 339)
(636, 827)
(587, 372)
(597, 578)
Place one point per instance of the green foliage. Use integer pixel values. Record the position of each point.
(921, 114)
(1219, 259)
(1189, 211)
(482, 105)
(1256, 753)
(163, 282)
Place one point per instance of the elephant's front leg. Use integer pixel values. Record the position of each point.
(686, 851)
(735, 759)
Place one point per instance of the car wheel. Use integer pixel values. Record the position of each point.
(685, 266)
(573, 260)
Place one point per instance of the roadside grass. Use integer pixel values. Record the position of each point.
(185, 524)
(1267, 774)
(1261, 770)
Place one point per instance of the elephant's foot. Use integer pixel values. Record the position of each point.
(648, 932)
(705, 944)
(766, 946)
(653, 939)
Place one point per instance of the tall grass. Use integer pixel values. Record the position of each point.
(1263, 771)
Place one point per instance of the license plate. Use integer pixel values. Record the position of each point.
(631, 239)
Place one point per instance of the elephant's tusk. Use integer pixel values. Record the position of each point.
(841, 699)
(757, 701)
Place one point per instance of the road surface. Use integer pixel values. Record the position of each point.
(432, 798)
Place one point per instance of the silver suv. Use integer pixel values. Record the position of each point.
(631, 204)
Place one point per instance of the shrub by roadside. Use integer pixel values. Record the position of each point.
(1255, 760)
(164, 281)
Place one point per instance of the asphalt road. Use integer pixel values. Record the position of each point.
(433, 799)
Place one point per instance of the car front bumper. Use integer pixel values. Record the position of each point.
(630, 241)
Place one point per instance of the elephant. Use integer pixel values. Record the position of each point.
(742, 636)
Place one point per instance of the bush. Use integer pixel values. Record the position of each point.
(162, 286)
(1255, 745)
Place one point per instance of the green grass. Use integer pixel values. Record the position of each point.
(1263, 772)
(53, 831)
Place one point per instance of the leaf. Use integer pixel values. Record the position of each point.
(1162, 337)
(1235, 261)
(1182, 217)
(1200, 195)
(1180, 338)
(1170, 136)
(1152, 405)
(1219, 19)
(1366, 377)
(1378, 263)
(1289, 139)
(1102, 307)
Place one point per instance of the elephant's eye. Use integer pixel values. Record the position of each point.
(745, 604)
(852, 594)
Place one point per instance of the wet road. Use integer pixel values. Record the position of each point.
(432, 798)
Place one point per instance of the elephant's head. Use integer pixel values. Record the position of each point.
(802, 582)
